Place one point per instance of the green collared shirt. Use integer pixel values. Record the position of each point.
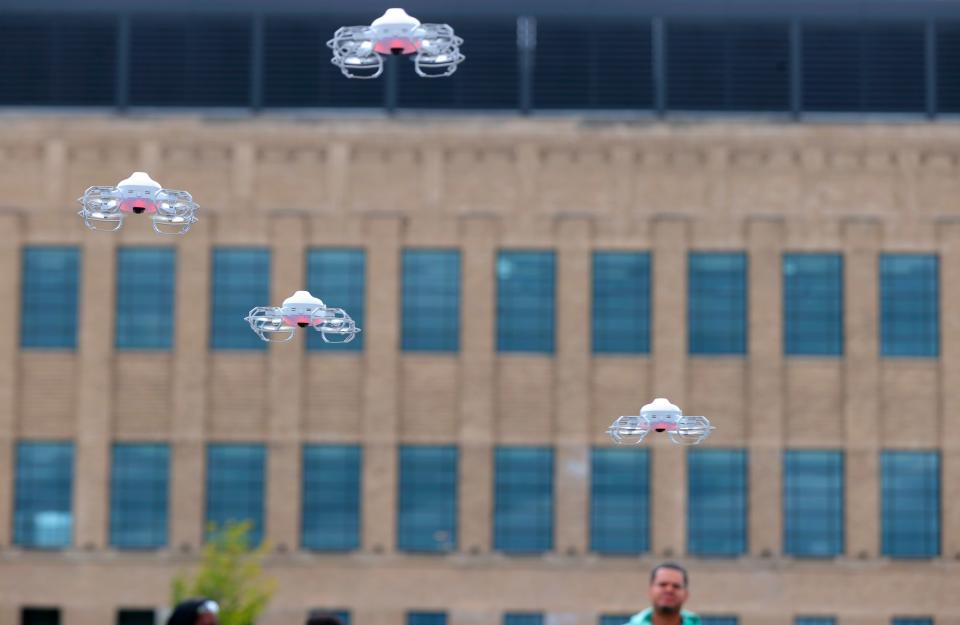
(646, 618)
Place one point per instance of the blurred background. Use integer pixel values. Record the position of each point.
(749, 208)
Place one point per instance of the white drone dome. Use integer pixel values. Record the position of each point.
(139, 179)
(302, 297)
(396, 17)
(660, 405)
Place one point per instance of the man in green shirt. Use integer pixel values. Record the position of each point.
(668, 591)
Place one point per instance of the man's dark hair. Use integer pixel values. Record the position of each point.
(318, 617)
(185, 612)
(673, 566)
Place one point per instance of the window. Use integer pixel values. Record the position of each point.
(620, 501)
(427, 518)
(592, 63)
(815, 620)
(241, 281)
(431, 300)
(337, 277)
(719, 620)
(342, 615)
(909, 305)
(55, 59)
(235, 484)
(910, 485)
(523, 499)
(863, 67)
(331, 497)
(139, 495)
(210, 65)
(813, 503)
(716, 502)
(145, 296)
(715, 65)
(614, 619)
(523, 618)
(50, 298)
(621, 302)
(43, 517)
(40, 616)
(912, 620)
(717, 305)
(136, 617)
(426, 618)
(813, 304)
(525, 301)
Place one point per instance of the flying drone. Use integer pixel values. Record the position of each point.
(435, 48)
(660, 416)
(104, 208)
(301, 310)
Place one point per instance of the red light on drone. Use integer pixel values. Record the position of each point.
(395, 46)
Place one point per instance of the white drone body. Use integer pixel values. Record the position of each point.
(660, 416)
(104, 208)
(279, 324)
(359, 51)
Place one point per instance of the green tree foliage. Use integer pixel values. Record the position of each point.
(231, 574)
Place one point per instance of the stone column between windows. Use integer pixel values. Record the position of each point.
(95, 390)
(477, 356)
(572, 385)
(286, 362)
(949, 234)
(861, 241)
(668, 474)
(191, 373)
(10, 270)
(765, 238)
(94, 613)
(380, 383)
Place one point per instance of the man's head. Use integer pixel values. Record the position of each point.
(200, 611)
(668, 588)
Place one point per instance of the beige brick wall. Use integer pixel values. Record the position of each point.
(480, 186)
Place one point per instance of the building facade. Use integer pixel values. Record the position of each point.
(520, 283)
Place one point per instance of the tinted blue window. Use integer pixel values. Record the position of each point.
(523, 499)
(813, 304)
(139, 495)
(431, 300)
(426, 618)
(235, 485)
(910, 483)
(145, 296)
(240, 282)
(909, 305)
(427, 519)
(620, 501)
(621, 302)
(716, 502)
(42, 515)
(331, 497)
(813, 503)
(614, 619)
(815, 620)
(912, 620)
(717, 305)
(50, 297)
(523, 618)
(719, 620)
(337, 277)
(525, 301)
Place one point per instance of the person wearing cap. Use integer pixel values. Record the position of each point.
(199, 611)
